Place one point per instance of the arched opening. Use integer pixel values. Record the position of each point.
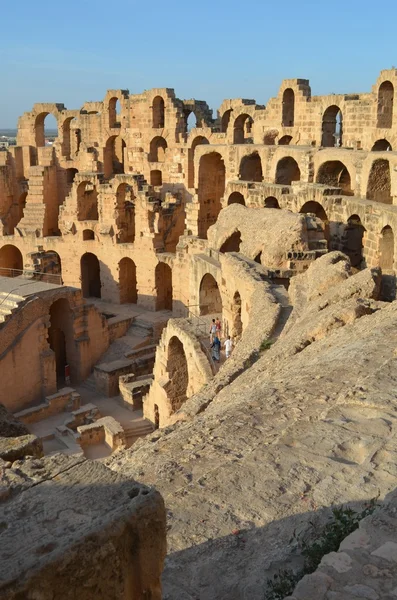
(243, 129)
(236, 198)
(45, 129)
(88, 235)
(288, 108)
(269, 139)
(90, 276)
(11, 261)
(332, 128)
(334, 173)
(156, 178)
(287, 171)
(114, 156)
(211, 187)
(386, 249)
(285, 140)
(178, 374)
(209, 296)
(114, 112)
(87, 202)
(156, 417)
(199, 140)
(125, 214)
(158, 113)
(66, 138)
(385, 105)
(52, 264)
(381, 146)
(251, 168)
(225, 120)
(316, 209)
(158, 146)
(191, 121)
(379, 183)
(352, 243)
(70, 175)
(60, 337)
(271, 202)
(237, 324)
(163, 283)
(232, 244)
(127, 281)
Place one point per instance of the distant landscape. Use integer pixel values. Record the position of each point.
(13, 132)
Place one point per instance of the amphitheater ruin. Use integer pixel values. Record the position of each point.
(120, 242)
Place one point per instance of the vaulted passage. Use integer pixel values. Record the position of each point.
(198, 141)
(232, 244)
(353, 241)
(11, 261)
(90, 276)
(125, 214)
(46, 125)
(236, 198)
(158, 146)
(210, 297)
(243, 129)
(178, 374)
(287, 171)
(114, 156)
(379, 184)
(332, 128)
(288, 108)
(335, 174)
(87, 202)
(158, 113)
(316, 209)
(285, 140)
(251, 168)
(127, 281)
(381, 146)
(60, 336)
(226, 120)
(385, 105)
(271, 202)
(163, 283)
(211, 182)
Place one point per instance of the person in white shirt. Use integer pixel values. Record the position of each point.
(228, 345)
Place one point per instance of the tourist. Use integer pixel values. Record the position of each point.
(218, 327)
(212, 331)
(228, 345)
(216, 348)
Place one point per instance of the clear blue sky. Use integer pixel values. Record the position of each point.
(73, 51)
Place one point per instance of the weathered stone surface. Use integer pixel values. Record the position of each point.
(15, 439)
(70, 528)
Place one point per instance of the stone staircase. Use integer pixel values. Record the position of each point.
(9, 304)
(140, 429)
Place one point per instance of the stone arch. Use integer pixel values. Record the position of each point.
(236, 198)
(158, 146)
(66, 138)
(90, 276)
(242, 129)
(271, 202)
(287, 171)
(225, 120)
(178, 374)
(232, 243)
(88, 235)
(285, 140)
(385, 105)
(163, 283)
(40, 127)
(211, 187)
(269, 139)
(156, 178)
(114, 110)
(158, 113)
(386, 249)
(199, 140)
(316, 209)
(288, 118)
(87, 202)
(381, 146)
(114, 156)
(237, 324)
(332, 127)
(251, 168)
(125, 214)
(379, 182)
(190, 120)
(210, 300)
(61, 337)
(11, 261)
(53, 266)
(352, 241)
(127, 281)
(335, 174)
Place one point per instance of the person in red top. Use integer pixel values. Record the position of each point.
(218, 326)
